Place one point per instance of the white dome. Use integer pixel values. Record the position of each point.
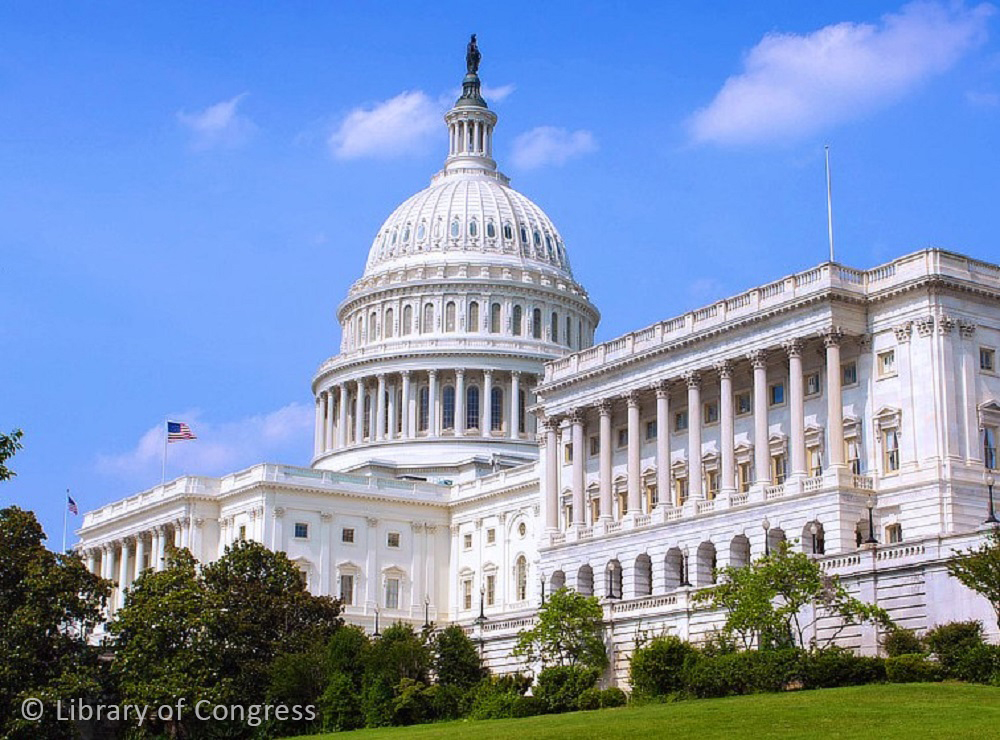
(468, 214)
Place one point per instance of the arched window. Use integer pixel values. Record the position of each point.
(508, 232)
(517, 321)
(569, 326)
(521, 578)
(496, 410)
(448, 405)
(491, 229)
(524, 235)
(473, 323)
(449, 316)
(360, 329)
(473, 228)
(372, 327)
(472, 407)
(424, 409)
(421, 232)
(428, 323)
(367, 422)
(538, 238)
(579, 334)
(406, 328)
(495, 318)
(388, 323)
(555, 326)
(536, 323)
(521, 412)
(406, 233)
(455, 228)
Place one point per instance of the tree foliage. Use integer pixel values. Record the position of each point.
(765, 602)
(979, 569)
(569, 632)
(9, 444)
(456, 659)
(49, 606)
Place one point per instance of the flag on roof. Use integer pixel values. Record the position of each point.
(178, 431)
(71, 505)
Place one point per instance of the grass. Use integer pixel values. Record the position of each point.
(885, 712)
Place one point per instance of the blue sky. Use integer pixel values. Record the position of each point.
(188, 189)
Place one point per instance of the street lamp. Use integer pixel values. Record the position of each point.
(814, 530)
(376, 634)
(872, 540)
(541, 582)
(766, 524)
(427, 612)
(685, 560)
(481, 620)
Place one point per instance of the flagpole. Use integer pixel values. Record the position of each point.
(163, 467)
(65, 518)
(829, 201)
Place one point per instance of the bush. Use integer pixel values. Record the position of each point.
(827, 669)
(949, 641)
(411, 704)
(978, 664)
(447, 702)
(340, 705)
(899, 641)
(589, 699)
(912, 669)
(498, 697)
(613, 697)
(658, 668)
(749, 672)
(526, 706)
(559, 687)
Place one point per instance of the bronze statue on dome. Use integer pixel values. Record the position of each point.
(472, 56)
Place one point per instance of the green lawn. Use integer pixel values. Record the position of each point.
(906, 711)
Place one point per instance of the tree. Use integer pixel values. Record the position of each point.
(49, 606)
(569, 632)
(456, 660)
(395, 662)
(765, 601)
(979, 569)
(9, 444)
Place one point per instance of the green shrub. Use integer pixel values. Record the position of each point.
(589, 699)
(497, 697)
(447, 702)
(340, 705)
(832, 667)
(658, 668)
(559, 687)
(949, 641)
(749, 672)
(912, 669)
(526, 706)
(613, 697)
(901, 641)
(411, 704)
(978, 664)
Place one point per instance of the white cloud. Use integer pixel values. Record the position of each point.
(793, 85)
(218, 125)
(547, 145)
(221, 447)
(401, 125)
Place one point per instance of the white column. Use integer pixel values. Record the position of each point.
(330, 432)
(432, 403)
(359, 412)
(663, 442)
(515, 404)
(797, 423)
(579, 455)
(459, 402)
(727, 439)
(695, 488)
(834, 401)
(551, 474)
(140, 553)
(379, 406)
(318, 445)
(634, 450)
(485, 419)
(604, 410)
(123, 572)
(761, 446)
(325, 560)
(161, 547)
(342, 418)
(106, 554)
(407, 430)
(91, 556)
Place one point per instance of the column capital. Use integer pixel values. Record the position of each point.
(793, 347)
(662, 389)
(757, 358)
(552, 423)
(371, 521)
(515, 373)
(604, 407)
(459, 372)
(724, 368)
(326, 516)
(279, 511)
(432, 373)
(488, 373)
(631, 399)
(832, 336)
(693, 379)
(903, 331)
(575, 416)
(319, 397)
(405, 374)
(380, 377)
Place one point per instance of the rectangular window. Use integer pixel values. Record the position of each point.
(681, 490)
(347, 535)
(812, 384)
(990, 448)
(744, 403)
(467, 593)
(569, 516)
(890, 450)
(815, 457)
(622, 438)
(346, 589)
(650, 430)
(712, 478)
(491, 589)
(850, 373)
(243, 531)
(852, 450)
(467, 541)
(987, 360)
(680, 421)
(711, 412)
(391, 593)
(894, 534)
(652, 499)
(301, 530)
(568, 452)
(595, 445)
(887, 363)
(745, 472)
(392, 539)
(779, 469)
(622, 504)
(777, 394)
(491, 536)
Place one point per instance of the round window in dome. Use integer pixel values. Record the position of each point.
(473, 228)
(454, 228)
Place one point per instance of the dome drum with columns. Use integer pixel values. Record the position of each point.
(467, 291)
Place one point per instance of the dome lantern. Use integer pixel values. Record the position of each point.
(470, 122)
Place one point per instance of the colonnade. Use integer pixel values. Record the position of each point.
(409, 404)
(573, 427)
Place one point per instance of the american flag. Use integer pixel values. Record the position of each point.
(178, 431)
(71, 505)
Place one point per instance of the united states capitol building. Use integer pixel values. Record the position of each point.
(475, 449)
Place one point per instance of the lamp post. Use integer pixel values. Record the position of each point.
(872, 540)
(685, 560)
(814, 530)
(376, 634)
(481, 619)
(766, 525)
(427, 612)
(541, 582)
(990, 480)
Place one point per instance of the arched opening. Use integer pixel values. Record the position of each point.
(705, 565)
(372, 327)
(448, 407)
(643, 575)
(449, 316)
(554, 326)
(496, 409)
(557, 581)
(473, 324)
(407, 320)
(516, 321)
(536, 323)
(522, 412)
(423, 409)
(472, 407)
(585, 581)
(495, 318)
(367, 420)
(739, 551)
(613, 580)
(388, 328)
(569, 336)
(673, 568)
(428, 322)
(775, 536)
(813, 538)
(521, 578)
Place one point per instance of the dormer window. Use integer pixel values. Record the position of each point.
(421, 232)
(406, 233)
(473, 229)
(524, 235)
(538, 238)
(454, 228)
(491, 230)
(508, 232)
(394, 236)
